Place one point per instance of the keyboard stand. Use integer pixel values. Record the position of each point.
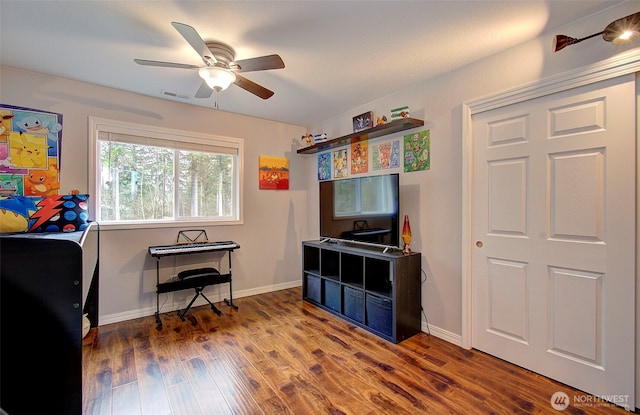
(229, 301)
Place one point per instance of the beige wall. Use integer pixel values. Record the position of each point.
(274, 221)
(433, 198)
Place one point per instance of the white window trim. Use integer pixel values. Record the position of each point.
(97, 124)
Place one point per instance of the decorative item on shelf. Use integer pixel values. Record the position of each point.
(406, 235)
(314, 138)
(319, 138)
(400, 112)
(381, 120)
(363, 122)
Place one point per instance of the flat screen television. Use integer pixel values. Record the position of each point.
(361, 209)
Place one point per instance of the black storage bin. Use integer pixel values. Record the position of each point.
(379, 314)
(313, 288)
(332, 295)
(354, 304)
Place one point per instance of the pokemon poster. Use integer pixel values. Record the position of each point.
(30, 144)
(386, 155)
(417, 151)
(324, 166)
(340, 163)
(360, 157)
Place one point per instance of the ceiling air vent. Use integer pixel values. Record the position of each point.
(176, 95)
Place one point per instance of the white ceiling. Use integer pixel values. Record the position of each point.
(338, 54)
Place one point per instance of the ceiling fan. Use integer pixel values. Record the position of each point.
(220, 69)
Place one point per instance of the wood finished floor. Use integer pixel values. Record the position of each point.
(280, 355)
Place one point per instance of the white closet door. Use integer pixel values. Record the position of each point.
(553, 265)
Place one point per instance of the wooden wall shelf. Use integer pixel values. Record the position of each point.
(377, 131)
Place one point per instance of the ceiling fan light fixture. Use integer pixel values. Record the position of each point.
(216, 77)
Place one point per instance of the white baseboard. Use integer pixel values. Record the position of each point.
(442, 334)
(149, 311)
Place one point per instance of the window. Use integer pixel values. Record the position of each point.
(145, 175)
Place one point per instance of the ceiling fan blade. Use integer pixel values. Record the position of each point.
(204, 91)
(260, 63)
(252, 87)
(165, 64)
(193, 38)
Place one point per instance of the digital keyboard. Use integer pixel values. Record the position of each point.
(192, 248)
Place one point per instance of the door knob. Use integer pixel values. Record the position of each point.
(479, 244)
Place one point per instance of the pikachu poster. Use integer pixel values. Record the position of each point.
(29, 152)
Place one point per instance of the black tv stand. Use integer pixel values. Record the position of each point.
(379, 292)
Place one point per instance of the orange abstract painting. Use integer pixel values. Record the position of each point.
(274, 173)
